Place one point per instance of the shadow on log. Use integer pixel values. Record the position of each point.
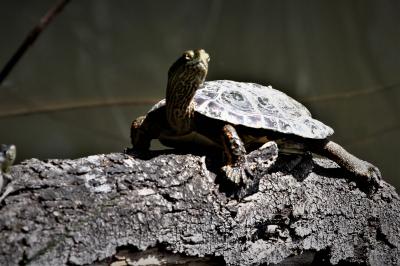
(168, 210)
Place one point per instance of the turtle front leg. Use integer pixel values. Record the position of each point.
(143, 130)
(139, 138)
(238, 165)
(358, 167)
(235, 154)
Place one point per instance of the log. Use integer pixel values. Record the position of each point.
(173, 209)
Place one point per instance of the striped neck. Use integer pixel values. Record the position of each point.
(179, 106)
(185, 76)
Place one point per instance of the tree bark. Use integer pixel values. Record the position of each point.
(172, 209)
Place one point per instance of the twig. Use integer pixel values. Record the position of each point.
(98, 103)
(69, 106)
(32, 36)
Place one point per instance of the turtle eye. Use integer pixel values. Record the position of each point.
(188, 55)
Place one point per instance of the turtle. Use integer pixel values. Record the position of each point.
(237, 118)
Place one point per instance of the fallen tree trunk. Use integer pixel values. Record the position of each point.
(169, 209)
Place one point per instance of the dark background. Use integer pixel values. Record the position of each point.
(340, 58)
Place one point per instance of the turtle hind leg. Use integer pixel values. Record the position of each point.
(358, 167)
(239, 166)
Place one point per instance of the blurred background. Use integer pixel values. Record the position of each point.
(340, 58)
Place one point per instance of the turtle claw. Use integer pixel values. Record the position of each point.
(371, 173)
(259, 160)
(235, 174)
(366, 173)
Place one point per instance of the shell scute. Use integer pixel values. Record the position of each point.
(237, 100)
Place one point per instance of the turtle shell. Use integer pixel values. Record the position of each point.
(256, 106)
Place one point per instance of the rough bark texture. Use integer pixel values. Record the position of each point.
(119, 209)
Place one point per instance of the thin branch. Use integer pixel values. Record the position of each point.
(30, 39)
(69, 106)
(98, 103)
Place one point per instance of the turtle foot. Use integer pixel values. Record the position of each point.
(370, 173)
(235, 173)
(257, 161)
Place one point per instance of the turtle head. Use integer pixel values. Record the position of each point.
(189, 70)
(8, 153)
(185, 76)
